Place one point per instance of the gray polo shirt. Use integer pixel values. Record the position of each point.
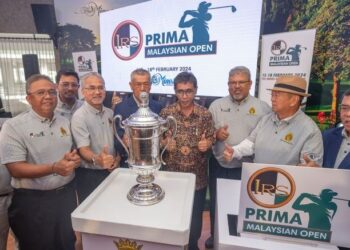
(34, 139)
(241, 119)
(93, 128)
(65, 110)
(285, 141)
(5, 180)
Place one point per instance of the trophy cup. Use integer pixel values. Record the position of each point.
(144, 130)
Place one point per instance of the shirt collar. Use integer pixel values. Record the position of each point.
(344, 134)
(286, 120)
(94, 110)
(194, 112)
(42, 119)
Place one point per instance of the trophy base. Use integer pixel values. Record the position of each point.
(145, 195)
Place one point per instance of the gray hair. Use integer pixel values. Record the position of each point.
(240, 70)
(140, 71)
(88, 75)
(35, 78)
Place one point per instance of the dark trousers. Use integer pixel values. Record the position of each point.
(197, 215)
(41, 220)
(88, 180)
(217, 171)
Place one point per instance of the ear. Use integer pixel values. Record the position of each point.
(29, 99)
(295, 101)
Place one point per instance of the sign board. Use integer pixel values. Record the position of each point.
(167, 37)
(302, 203)
(288, 53)
(85, 62)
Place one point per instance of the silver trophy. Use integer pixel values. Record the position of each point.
(144, 130)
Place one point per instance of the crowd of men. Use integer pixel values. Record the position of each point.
(62, 148)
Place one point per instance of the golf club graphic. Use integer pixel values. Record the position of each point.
(342, 199)
(233, 8)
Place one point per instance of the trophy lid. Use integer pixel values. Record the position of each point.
(144, 116)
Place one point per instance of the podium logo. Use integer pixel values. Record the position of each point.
(127, 40)
(127, 245)
(271, 187)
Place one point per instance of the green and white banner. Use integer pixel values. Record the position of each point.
(295, 202)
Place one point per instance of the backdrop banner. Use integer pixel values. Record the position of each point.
(293, 202)
(168, 37)
(288, 53)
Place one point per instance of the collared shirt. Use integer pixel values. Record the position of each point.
(93, 128)
(241, 119)
(285, 141)
(34, 139)
(65, 110)
(343, 150)
(186, 157)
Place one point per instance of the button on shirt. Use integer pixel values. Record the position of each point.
(343, 150)
(65, 110)
(93, 128)
(241, 119)
(31, 138)
(285, 141)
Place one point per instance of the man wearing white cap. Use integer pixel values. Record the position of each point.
(287, 136)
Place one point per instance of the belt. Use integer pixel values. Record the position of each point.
(59, 190)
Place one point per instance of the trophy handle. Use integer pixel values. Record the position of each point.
(119, 117)
(169, 120)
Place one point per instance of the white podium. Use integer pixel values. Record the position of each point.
(227, 202)
(107, 220)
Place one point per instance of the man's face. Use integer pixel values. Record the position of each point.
(185, 93)
(345, 113)
(68, 87)
(94, 91)
(140, 83)
(281, 102)
(42, 96)
(239, 86)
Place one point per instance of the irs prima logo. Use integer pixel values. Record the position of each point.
(284, 56)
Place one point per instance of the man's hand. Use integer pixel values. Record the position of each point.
(104, 159)
(308, 162)
(67, 164)
(228, 153)
(170, 141)
(222, 134)
(73, 156)
(203, 144)
(115, 99)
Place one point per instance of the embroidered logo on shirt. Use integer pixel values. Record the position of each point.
(110, 121)
(252, 111)
(40, 134)
(288, 138)
(225, 110)
(63, 132)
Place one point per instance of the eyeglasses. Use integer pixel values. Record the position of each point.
(344, 108)
(44, 92)
(73, 85)
(238, 83)
(93, 89)
(184, 91)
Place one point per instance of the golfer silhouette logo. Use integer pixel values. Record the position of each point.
(198, 23)
(321, 209)
(295, 52)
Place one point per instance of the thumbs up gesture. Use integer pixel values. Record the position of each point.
(105, 160)
(115, 99)
(228, 153)
(222, 133)
(308, 162)
(203, 144)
